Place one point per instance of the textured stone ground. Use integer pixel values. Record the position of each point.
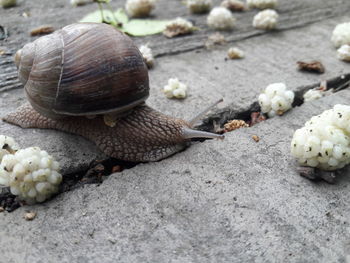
(231, 201)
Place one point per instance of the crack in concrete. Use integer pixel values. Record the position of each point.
(223, 116)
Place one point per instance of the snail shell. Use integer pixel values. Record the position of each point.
(83, 69)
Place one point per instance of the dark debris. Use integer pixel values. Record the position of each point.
(3, 32)
(313, 66)
(315, 174)
(8, 201)
(97, 171)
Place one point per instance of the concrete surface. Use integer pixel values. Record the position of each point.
(231, 201)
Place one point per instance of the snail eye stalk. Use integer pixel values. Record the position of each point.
(193, 121)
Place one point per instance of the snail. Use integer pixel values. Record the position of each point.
(91, 80)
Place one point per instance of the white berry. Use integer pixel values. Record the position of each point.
(324, 141)
(7, 146)
(139, 8)
(220, 18)
(266, 20)
(276, 99)
(175, 89)
(341, 35)
(343, 53)
(147, 55)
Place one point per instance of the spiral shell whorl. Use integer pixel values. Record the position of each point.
(24, 61)
(83, 69)
(18, 57)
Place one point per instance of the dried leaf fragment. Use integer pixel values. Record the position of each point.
(178, 27)
(256, 138)
(256, 117)
(215, 39)
(313, 66)
(234, 5)
(234, 125)
(42, 30)
(117, 169)
(2, 209)
(29, 216)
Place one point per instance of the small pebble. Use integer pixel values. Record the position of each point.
(235, 53)
(256, 138)
(29, 216)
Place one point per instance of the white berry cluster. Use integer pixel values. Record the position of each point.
(341, 35)
(147, 55)
(220, 18)
(199, 6)
(7, 146)
(266, 19)
(343, 53)
(324, 141)
(276, 99)
(262, 4)
(175, 89)
(31, 174)
(139, 8)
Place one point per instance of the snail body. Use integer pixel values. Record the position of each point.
(89, 69)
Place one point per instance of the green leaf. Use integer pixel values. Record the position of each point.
(121, 16)
(95, 17)
(134, 27)
(143, 27)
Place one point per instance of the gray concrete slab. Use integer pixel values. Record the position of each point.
(231, 201)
